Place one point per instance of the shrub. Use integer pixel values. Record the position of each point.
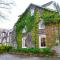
(4, 48)
(46, 51)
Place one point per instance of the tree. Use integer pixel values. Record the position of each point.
(6, 7)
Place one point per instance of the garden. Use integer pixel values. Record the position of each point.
(31, 23)
(39, 52)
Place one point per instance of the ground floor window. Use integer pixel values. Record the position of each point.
(42, 41)
(24, 42)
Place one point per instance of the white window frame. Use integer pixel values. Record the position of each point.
(41, 25)
(3, 34)
(32, 11)
(23, 42)
(41, 36)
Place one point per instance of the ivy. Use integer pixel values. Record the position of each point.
(31, 23)
(25, 20)
(35, 28)
(50, 16)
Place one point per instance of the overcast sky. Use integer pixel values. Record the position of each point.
(18, 7)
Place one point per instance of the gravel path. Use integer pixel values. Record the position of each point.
(14, 57)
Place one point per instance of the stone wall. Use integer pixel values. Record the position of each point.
(51, 32)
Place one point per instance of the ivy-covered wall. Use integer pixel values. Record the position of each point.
(24, 20)
(31, 23)
(35, 37)
(51, 35)
(52, 26)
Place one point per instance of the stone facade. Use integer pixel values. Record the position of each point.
(48, 35)
(51, 32)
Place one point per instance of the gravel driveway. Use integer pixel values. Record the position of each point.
(14, 57)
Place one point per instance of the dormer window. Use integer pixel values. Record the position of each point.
(41, 25)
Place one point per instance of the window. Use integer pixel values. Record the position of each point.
(24, 30)
(3, 34)
(57, 35)
(23, 42)
(32, 11)
(42, 41)
(41, 25)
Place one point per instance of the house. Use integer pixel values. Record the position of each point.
(38, 27)
(6, 37)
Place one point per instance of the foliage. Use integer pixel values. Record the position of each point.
(19, 39)
(4, 48)
(25, 20)
(46, 51)
(35, 28)
(31, 23)
(50, 16)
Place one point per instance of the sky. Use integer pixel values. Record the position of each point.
(16, 9)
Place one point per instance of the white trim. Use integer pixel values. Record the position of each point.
(32, 11)
(23, 42)
(41, 36)
(41, 25)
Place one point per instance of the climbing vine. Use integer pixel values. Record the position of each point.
(35, 28)
(25, 20)
(31, 23)
(50, 16)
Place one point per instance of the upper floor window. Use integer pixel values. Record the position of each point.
(41, 25)
(32, 11)
(24, 30)
(3, 34)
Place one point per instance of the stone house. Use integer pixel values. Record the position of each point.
(48, 36)
(7, 37)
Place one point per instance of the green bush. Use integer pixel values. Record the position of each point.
(43, 51)
(4, 48)
(46, 51)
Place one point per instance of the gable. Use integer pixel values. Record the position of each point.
(52, 5)
(32, 7)
(48, 16)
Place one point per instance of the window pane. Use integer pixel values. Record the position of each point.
(32, 11)
(43, 42)
(41, 25)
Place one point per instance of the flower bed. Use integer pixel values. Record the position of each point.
(33, 52)
(27, 51)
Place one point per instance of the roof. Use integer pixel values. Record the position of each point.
(33, 5)
(39, 7)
